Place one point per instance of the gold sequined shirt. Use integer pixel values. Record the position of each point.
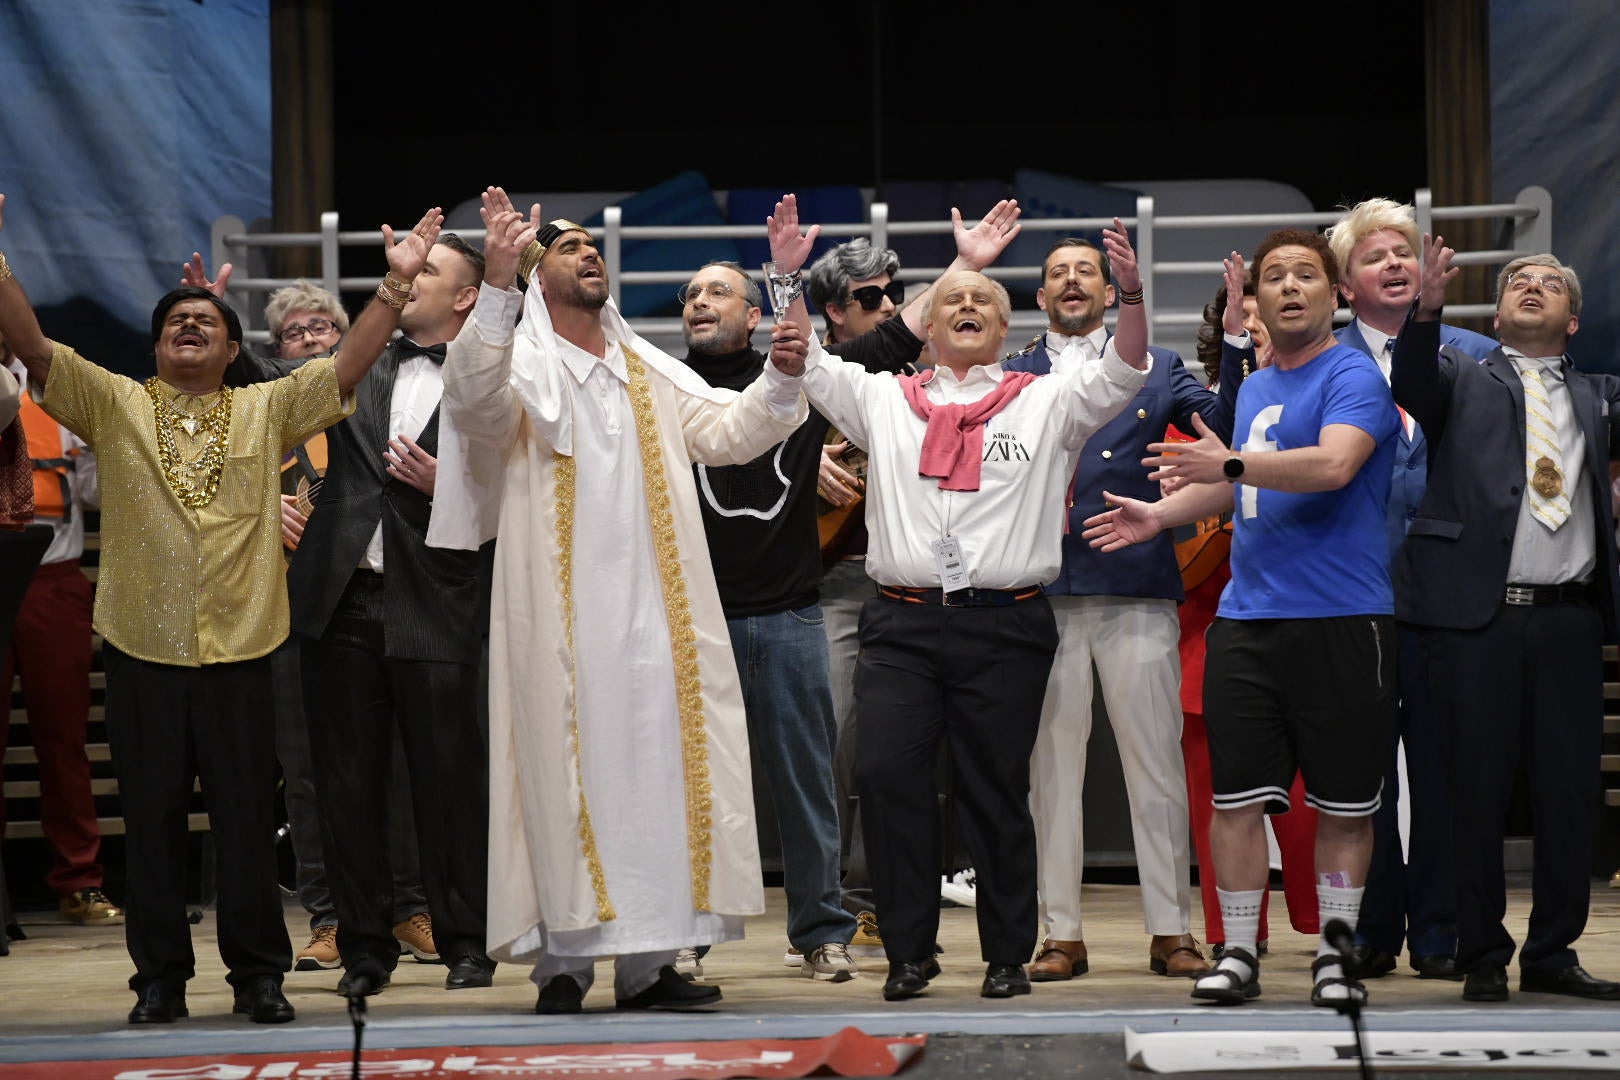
(176, 585)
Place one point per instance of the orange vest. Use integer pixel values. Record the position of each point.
(52, 497)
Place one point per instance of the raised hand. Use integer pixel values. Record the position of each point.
(1121, 258)
(1232, 317)
(1437, 274)
(1131, 521)
(407, 256)
(1200, 462)
(789, 247)
(789, 346)
(984, 242)
(506, 234)
(195, 274)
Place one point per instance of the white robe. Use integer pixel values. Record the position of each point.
(518, 428)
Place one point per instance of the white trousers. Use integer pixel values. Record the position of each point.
(1132, 641)
(632, 972)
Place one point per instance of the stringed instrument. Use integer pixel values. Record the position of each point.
(836, 524)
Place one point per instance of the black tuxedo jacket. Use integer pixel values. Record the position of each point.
(435, 600)
(1452, 569)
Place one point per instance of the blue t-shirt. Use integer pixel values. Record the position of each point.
(1323, 554)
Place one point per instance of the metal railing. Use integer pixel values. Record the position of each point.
(1525, 228)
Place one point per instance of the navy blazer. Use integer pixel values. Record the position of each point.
(1112, 460)
(1452, 569)
(1411, 468)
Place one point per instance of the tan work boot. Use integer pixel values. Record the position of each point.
(89, 907)
(1059, 961)
(321, 952)
(415, 934)
(1177, 956)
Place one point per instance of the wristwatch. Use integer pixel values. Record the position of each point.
(1233, 468)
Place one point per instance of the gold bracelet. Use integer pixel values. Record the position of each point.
(392, 299)
(5, 268)
(397, 284)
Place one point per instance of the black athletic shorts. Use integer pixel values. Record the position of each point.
(1317, 695)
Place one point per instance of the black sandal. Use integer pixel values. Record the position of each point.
(1357, 990)
(1238, 989)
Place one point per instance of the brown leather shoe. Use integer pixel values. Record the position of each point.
(1059, 961)
(1177, 956)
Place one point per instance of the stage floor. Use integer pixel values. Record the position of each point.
(63, 996)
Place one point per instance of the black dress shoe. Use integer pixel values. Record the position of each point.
(470, 971)
(1435, 967)
(1004, 981)
(375, 988)
(560, 995)
(670, 991)
(263, 1002)
(908, 978)
(1572, 980)
(1487, 983)
(157, 1004)
(1370, 962)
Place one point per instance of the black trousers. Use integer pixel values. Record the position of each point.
(355, 698)
(1526, 687)
(974, 677)
(168, 726)
(1411, 899)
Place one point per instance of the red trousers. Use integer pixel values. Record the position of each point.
(50, 650)
(1295, 830)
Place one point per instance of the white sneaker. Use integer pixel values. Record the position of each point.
(792, 958)
(960, 888)
(688, 965)
(830, 963)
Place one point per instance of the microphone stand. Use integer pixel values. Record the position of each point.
(357, 1015)
(1348, 1007)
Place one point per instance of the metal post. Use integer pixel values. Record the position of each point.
(220, 253)
(1534, 233)
(612, 242)
(1423, 207)
(330, 269)
(880, 225)
(1144, 256)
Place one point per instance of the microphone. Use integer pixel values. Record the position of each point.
(365, 977)
(1337, 933)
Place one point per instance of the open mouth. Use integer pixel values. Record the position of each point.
(700, 322)
(1396, 284)
(590, 272)
(1075, 296)
(1292, 307)
(968, 325)
(192, 338)
(1531, 302)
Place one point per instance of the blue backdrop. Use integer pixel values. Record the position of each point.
(126, 128)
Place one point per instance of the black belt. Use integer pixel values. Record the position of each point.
(902, 594)
(1536, 595)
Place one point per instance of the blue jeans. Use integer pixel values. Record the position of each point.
(782, 663)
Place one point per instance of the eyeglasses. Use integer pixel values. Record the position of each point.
(1553, 283)
(314, 328)
(716, 291)
(870, 297)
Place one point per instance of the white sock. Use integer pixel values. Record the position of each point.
(1335, 902)
(1240, 915)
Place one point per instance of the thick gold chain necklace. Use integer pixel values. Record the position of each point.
(194, 482)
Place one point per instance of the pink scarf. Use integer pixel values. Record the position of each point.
(953, 445)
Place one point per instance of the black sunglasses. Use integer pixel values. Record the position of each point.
(871, 297)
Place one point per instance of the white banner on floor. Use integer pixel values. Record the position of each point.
(1211, 1051)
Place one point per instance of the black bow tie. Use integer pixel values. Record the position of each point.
(409, 348)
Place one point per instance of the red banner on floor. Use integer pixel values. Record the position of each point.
(850, 1052)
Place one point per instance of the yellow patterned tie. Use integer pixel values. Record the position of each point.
(1544, 469)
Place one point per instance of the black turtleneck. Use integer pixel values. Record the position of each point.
(761, 517)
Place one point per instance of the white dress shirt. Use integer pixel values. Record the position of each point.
(418, 386)
(1010, 531)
